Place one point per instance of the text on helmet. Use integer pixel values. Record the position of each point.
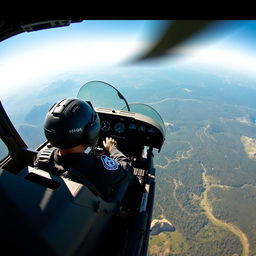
(75, 130)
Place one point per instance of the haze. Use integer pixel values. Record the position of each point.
(31, 59)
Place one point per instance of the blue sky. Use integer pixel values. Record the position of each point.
(38, 57)
(31, 57)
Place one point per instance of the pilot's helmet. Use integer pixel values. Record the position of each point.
(71, 122)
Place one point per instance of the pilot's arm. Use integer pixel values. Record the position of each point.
(110, 146)
(134, 186)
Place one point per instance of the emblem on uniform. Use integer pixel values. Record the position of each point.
(109, 163)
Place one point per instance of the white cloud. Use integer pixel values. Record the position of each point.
(225, 59)
(42, 62)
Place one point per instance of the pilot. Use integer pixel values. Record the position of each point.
(71, 126)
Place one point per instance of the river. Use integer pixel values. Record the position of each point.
(206, 205)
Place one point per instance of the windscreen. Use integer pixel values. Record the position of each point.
(104, 95)
(101, 94)
(147, 111)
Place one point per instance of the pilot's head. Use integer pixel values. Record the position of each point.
(71, 122)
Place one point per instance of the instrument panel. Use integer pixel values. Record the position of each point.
(131, 130)
(119, 128)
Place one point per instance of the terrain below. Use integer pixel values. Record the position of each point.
(206, 205)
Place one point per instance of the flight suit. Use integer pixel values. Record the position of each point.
(108, 176)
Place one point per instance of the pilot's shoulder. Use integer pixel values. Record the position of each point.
(109, 163)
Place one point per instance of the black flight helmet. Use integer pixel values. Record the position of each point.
(71, 122)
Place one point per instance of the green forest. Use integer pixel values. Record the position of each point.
(206, 132)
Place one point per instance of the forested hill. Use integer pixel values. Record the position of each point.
(204, 130)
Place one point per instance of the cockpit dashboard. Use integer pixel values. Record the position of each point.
(132, 131)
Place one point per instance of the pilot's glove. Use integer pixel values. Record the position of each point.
(124, 162)
(109, 144)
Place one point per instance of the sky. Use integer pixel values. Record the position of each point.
(31, 57)
(28, 59)
(231, 51)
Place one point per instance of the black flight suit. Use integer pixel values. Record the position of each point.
(110, 175)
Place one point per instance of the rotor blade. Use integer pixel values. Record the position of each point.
(177, 32)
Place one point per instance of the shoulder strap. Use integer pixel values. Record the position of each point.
(47, 160)
(44, 161)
